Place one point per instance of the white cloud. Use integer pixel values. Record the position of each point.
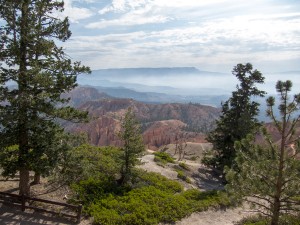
(225, 41)
(138, 14)
(209, 34)
(123, 5)
(76, 13)
(188, 3)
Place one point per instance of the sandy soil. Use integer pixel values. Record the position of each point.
(212, 217)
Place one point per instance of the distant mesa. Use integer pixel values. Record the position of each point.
(147, 71)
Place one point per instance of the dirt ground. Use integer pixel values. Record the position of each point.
(199, 175)
(211, 217)
(12, 215)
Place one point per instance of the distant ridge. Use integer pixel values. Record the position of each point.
(149, 71)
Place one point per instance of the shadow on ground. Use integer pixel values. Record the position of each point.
(14, 216)
(208, 179)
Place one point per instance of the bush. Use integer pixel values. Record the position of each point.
(91, 190)
(162, 158)
(181, 175)
(159, 181)
(209, 158)
(86, 161)
(184, 166)
(147, 206)
(203, 200)
(154, 199)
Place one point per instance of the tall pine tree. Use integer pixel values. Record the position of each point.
(269, 173)
(238, 116)
(41, 71)
(133, 146)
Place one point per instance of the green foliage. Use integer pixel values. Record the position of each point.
(87, 162)
(158, 181)
(269, 173)
(147, 205)
(209, 158)
(48, 150)
(238, 117)
(184, 166)
(133, 146)
(181, 175)
(162, 158)
(204, 200)
(155, 199)
(9, 160)
(91, 190)
(30, 31)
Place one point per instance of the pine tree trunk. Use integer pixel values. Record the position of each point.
(36, 179)
(275, 213)
(279, 182)
(24, 186)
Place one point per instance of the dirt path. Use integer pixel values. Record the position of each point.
(212, 217)
(151, 166)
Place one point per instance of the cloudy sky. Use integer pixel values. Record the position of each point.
(211, 35)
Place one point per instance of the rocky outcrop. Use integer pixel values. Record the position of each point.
(162, 124)
(169, 131)
(81, 94)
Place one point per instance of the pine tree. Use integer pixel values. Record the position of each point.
(133, 146)
(41, 71)
(238, 117)
(269, 173)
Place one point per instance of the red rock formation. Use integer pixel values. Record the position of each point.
(162, 123)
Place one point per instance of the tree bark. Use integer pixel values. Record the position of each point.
(36, 179)
(275, 213)
(24, 187)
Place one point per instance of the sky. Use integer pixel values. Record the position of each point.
(211, 35)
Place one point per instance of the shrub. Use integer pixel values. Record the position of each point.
(150, 205)
(86, 161)
(204, 200)
(163, 158)
(159, 181)
(181, 175)
(147, 205)
(155, 199)
(184, 166)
